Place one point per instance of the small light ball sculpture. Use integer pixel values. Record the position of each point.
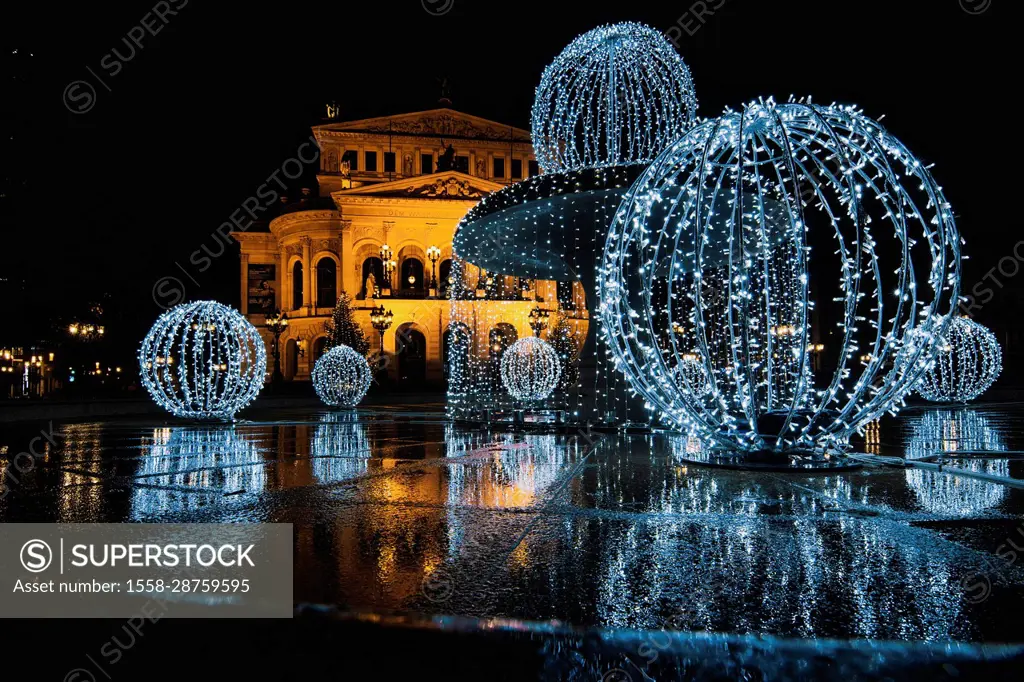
(530, 369)
(717, 237)
(617, 94)
(968, 362)
(203, 360)
(341, 377)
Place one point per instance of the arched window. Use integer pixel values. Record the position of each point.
(297, 285)
(291, 359)
(412, 275)
(326, 283)
(319, 346)
(455, 348)
(372, 266)
(444, 275)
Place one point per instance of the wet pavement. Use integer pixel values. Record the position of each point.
(397, 511)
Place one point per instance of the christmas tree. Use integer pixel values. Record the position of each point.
(563, 339)
(343, 330)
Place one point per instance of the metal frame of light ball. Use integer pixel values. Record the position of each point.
(530, 369)
(826, 160)
(617, 94)
(203, 360)
(342, 377)
(968, 363)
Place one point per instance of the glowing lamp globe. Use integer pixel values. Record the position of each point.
(767, 233)
(530, 369)
(341, 377)
(203, 360)
(968, 362)
(617, 94)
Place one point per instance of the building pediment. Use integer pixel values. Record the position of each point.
(445, 123)
(443, 185)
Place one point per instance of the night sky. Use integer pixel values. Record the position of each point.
(102, 204)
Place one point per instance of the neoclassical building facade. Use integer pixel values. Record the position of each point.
(381, 230)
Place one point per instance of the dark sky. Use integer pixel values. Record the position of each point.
(226, 91)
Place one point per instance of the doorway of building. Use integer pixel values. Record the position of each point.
(411, 348)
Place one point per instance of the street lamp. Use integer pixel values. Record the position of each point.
(276, 324)
(433, 254)
(381, 321)
(539, 320)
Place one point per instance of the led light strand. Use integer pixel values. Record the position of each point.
(617, 94)
(968, 363)
(530, 369)
(710, 254)
(203, 360)
(341, 377)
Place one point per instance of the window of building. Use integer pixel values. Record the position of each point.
(352, 156)
(517, 168)
(297, 285)
(389, 162)
(533, 168)
(426, 164)
(326, 283)
(462, 164)
(499, 167)
(371, 162)
(563, 293)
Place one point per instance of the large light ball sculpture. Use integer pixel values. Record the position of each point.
(203, 360)
(968, 362)
(530, 369)
(617, 94)
(341, 377)
(717, 237)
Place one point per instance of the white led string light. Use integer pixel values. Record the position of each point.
(203, 360)
(617, 94)
(968, 362)
(710, 254)
(341, 377)
(609, 103)
(530, 369)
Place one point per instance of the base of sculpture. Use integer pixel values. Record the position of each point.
(796, 461)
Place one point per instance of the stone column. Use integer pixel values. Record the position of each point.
(280, 277)
(307, 272)
(244, 258)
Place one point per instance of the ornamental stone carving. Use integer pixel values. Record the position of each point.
(446, 187)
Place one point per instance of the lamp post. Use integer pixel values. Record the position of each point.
(389, 267)
(276, 324)
(433, 254)
(381, 321)
(539, 320)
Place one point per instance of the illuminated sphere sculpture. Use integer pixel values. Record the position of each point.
(617, 94)
(530, 369)
(716, 238)
(203, 360)
(968, 362)
(341, 377)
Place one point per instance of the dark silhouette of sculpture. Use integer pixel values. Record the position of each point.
(446, 159)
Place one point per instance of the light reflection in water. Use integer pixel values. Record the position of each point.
(943, 433)
(938, 431)
(340, 448)
(216, 459)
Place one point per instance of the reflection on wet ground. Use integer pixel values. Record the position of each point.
(403, 512)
